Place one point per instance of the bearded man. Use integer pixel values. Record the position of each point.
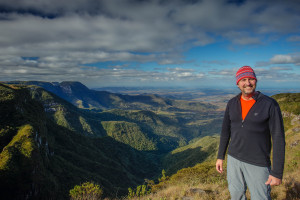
(252, 125)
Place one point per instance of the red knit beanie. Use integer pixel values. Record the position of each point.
(245, 72)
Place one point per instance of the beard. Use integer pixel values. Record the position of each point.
(248, 89)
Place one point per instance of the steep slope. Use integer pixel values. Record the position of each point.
(69, 145)
(148, 129)
(142, 130)
(290, 106)
(199, 151)
(165, 133)
(66, 114)
(41, 158)
(73, 92)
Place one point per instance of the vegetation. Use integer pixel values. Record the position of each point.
(289, 102)
(129, 133)
(201, 150)
(40, 157)
(86, 191)
(49, 146)
(157, 130)
(140, 191)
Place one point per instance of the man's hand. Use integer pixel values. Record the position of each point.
(219, 165)
(273, 181)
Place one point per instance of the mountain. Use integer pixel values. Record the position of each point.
(48, 145)
(145, 122)
(41, 158)
(73, 92)
(82, 97)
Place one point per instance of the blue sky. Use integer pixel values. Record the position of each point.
(150, 43)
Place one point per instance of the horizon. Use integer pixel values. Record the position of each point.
(232, 89)
(150, 43)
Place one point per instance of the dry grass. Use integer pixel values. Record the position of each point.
(189, 192)
(289, 190)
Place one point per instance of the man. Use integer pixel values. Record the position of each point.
(250, 121)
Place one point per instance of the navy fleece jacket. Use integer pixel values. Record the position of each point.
(249, 140)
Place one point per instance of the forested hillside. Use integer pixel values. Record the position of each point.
(43, 156)
(145, 122)
(48, 145)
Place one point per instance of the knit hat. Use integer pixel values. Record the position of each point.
(245, 72)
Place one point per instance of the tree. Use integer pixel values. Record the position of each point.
(163, 176)
(86, 191)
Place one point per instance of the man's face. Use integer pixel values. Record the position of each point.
(247, 85)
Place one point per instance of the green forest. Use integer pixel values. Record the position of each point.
(53, 141)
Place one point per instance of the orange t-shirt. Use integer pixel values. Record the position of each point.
(246, 106)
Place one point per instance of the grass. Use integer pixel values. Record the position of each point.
(200, 191)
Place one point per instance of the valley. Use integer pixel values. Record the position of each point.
(76, 134)
(54, 136)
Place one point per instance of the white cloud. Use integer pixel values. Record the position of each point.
(224, 72)
(66, 35)
(282, 59)
(276, 75)
(286, 59)
(282, 68)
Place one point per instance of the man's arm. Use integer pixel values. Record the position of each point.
(278, 140)
(225, 134)
(224, 140)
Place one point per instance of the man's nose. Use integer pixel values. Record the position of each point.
(248, 82)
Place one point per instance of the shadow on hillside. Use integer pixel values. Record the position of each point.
(103, 160)
(188, 158)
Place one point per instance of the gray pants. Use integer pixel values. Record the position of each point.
(241, 174)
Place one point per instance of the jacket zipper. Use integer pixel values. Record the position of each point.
(243, 120)
(248, 111)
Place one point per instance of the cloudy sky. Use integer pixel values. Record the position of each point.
(150, 42)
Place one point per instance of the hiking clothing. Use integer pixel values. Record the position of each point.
(246, 106)
(241, 174)
(249, 140)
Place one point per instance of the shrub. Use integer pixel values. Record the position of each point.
(86, 191)
(140, 191)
